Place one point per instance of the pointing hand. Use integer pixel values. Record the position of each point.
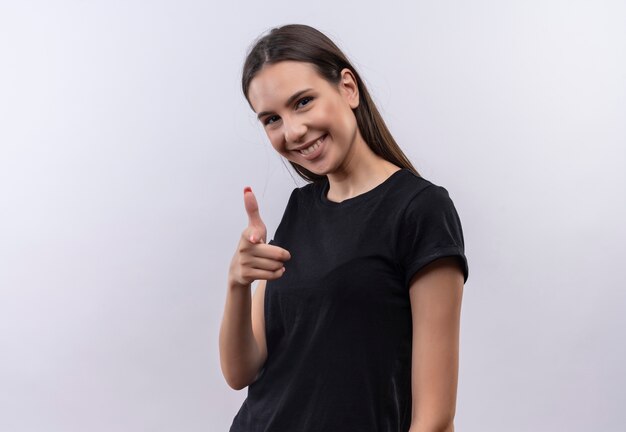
(253, 258)
(256, 228)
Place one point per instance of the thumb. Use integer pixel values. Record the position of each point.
(254, 217)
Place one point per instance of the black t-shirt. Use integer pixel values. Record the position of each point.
(338, 322)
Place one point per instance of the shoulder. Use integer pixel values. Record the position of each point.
(413, 191)
(427, 203)
(306, 192)
(301, 198)
(308, 189)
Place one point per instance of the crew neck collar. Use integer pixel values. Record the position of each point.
(376, 191)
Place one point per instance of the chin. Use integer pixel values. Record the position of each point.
(311, 170)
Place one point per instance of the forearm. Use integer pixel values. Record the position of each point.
(239, 353)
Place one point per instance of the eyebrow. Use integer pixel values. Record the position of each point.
(291, 99)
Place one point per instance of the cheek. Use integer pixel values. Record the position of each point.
(325, 118)
(278, 144)
(347, 121)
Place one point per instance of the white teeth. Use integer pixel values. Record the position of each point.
(312, 148)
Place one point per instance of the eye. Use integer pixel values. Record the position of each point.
(302, 102)
(304, 98)
(267, 120)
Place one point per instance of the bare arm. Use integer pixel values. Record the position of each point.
(243, 350)
(436, 292)
(242, 335)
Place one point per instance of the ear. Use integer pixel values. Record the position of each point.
(349, 88)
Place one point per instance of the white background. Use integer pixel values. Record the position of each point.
(126, 142)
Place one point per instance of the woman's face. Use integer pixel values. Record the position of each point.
(296, 107)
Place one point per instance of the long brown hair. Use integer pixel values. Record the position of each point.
(299, 42)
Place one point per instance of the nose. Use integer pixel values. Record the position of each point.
(294, 131)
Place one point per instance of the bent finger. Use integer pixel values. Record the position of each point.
(272, 252)
(261, 263)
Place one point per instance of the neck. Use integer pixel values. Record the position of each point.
(362, 171)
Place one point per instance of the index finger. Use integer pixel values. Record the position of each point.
(272, 252)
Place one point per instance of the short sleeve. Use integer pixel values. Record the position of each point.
(430, 228)
(288, 213)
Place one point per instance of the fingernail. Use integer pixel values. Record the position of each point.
(247, 189)
(252, 238)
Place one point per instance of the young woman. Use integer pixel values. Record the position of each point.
(354, 324)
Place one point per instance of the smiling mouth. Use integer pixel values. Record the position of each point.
(310, 149)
